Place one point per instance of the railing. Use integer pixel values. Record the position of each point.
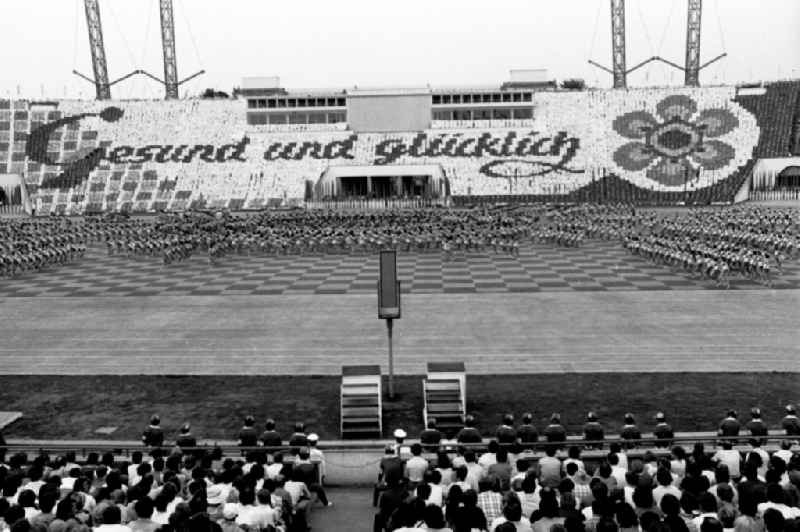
(373, 204)
(647, 442)
(785, 194)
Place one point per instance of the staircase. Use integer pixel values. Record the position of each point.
(360, 400)
(445, 395)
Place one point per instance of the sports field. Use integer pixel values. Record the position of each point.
(557, 329)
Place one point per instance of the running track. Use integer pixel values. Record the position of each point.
(658, 331)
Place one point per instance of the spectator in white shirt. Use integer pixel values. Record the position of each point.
(665, 486)
(730, 457)
(416, 466)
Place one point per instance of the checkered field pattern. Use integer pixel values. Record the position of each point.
(596, 266)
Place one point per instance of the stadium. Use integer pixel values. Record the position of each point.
(532, 305)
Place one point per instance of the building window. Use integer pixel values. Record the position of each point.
(481, 114)
(251, 104)
(271, 103)
(316, 118)
(340, 102)
(301, 102)
(501, 114)
(487, 98)
(523, 114)
(446, 98)
(462, 114)
(466, 98)
(526, 96)
(456, 98)
(517, 97)
(507, 97)
(277, 118)
(281, 103)
(496, 98)
(256, 119)
(437, 99)
(298, 118)
(292, 102)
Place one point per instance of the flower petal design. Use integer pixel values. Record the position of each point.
(713, 154)
(633, 156)
(671, 172)
(634, 125)
(676, 106)
(717, 122)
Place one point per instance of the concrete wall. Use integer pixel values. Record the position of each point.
(391, 112)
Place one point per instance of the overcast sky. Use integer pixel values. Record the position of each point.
(316, 43)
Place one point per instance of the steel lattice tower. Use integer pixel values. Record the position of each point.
(98, 51)
(618, 43)
(168, 45)
(693, 43)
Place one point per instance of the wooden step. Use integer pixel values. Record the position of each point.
(442, 385)
(360, 411)
(360, 400)
(359, 389)
(444, 407)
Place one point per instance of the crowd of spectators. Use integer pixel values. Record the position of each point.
(176, 487)
(510, 488)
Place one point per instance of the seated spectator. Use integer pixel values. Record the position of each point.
(593, 432)
(434, 519)
(549, 468)
(501, 469)
(512, 513)
(505, 433)
(527, 432)
(430, 437)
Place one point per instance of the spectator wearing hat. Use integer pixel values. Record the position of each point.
(153, 436)
(215, 497)
(469, 434)
(248, 437)
(790, 422)
(663, 431)
(527, 432)
(316, 456)
(555, 431)
(401, 449)
(729, 426)
(430, 437)
(270, 437)
(506, 434)
(630, 433)
(593, 431)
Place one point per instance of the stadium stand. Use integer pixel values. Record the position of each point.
(360, 399)
(698, 484)
(81, 157)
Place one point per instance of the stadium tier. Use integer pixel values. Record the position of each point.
(655, 145)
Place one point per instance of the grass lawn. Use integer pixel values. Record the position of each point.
(73, 407)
